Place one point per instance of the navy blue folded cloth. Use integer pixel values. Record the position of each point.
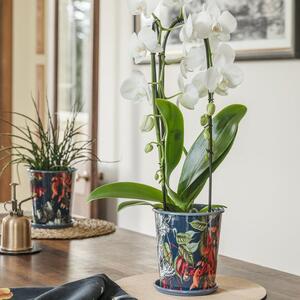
(98, 287)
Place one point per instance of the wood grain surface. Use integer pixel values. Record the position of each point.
(119, 255)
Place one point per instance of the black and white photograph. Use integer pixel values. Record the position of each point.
(266, 28)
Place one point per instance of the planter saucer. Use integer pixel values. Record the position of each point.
(35, 249)
(183, 292)
(52, 226)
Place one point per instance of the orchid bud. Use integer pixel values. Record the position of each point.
(211, 108)
(147, 124)
(206, 134)
(148, 148)
(203, 120)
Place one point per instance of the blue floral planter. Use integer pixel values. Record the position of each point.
(52, 203)
(187, 249)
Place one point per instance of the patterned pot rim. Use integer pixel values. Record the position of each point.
(192, 214)
(70, 170)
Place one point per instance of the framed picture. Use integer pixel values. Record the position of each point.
(267, 29)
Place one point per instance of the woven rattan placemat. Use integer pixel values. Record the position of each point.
(82, 228)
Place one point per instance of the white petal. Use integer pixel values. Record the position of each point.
(151, 6)
(195, 58)
(137, 49)
(135, 88)
(183, 68)
(187, 30)
(203, 25)
(228, 22)
(190, 97)
(233, 74)
(224, 55)
(180, 82)
(199, 82)
(149, 38)
(213, 9)
(212, 78)
(136, 7)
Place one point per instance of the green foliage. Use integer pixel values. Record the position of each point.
(173, 121)
(41, 147)
(195, 169)
(194, 172)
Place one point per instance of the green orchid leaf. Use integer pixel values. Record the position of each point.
(195, 169)
(128, 190)
(174, 126)
(198, 225)
(138, 202)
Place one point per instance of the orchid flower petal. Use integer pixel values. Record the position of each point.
(224, 55)
(187, 30)
(149, 38)
(151, 6)
(233, 75)
(136, 7)
(137, 49)
(203, 25)
(228, 22)
(212, 78)
(190, 97)
(195, 58)
(135, 88)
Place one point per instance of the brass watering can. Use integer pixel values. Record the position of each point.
(16, 228)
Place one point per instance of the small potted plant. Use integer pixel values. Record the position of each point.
(187, 233)
(50, 155)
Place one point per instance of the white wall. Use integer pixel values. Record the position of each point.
(23, 77)
(258, 181)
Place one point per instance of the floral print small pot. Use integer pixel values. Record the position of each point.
(187, 249)
(52, 202)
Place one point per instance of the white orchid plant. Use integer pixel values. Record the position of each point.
(207, 68)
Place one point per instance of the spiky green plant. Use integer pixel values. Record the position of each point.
(45, 147)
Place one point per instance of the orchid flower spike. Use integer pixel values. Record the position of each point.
(145, 7)
(136, 88)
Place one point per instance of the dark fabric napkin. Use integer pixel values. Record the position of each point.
(98, 287)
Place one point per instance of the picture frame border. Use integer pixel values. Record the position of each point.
(255, 54)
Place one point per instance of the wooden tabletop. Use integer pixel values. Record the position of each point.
(119, 255)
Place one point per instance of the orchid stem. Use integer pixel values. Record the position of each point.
(210, 125)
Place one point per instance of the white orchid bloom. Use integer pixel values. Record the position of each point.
(137, 49)
(149, 38)
(146, 7)
(231, 74)
(207, 81)
(176, 3)
(209, 23)
(189, 97)
(136, 88)
(195, 58)
(145, 41)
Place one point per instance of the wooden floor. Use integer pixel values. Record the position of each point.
(121, 254)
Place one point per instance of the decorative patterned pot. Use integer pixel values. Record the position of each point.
(52, 203)
(187, 248)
